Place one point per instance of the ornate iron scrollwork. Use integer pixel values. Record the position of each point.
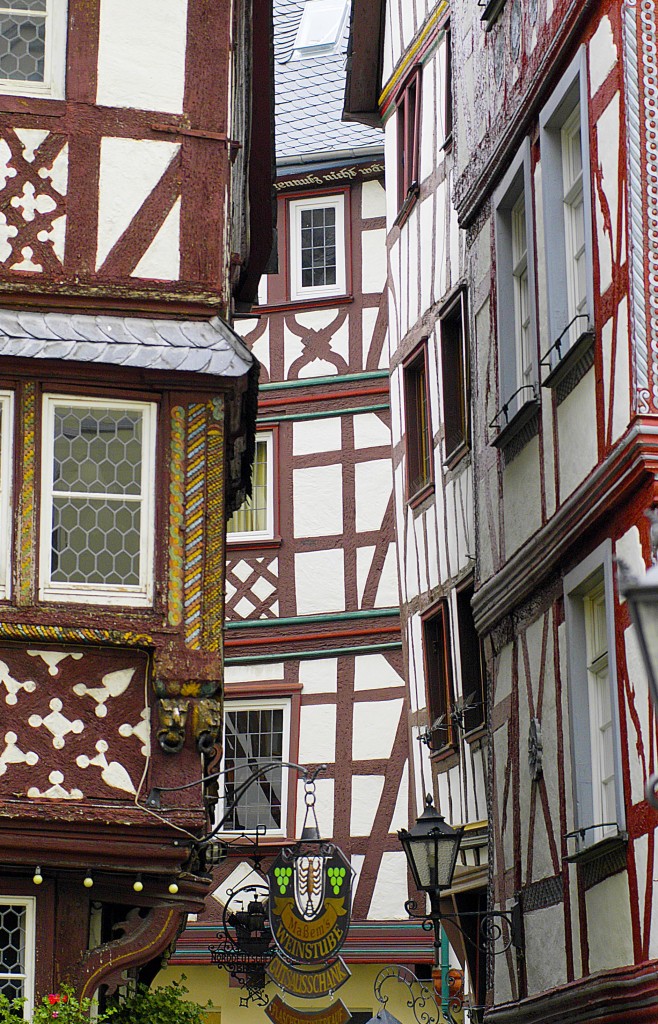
(245, 945)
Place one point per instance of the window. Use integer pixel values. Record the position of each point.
(448, 105)
(6, 431)
(515, 285)
(418, 435)
(321, 28)
(592, 693)
(254, 520)
(33, 47)
(254, 734)
(97, 496)
(471, 663)
(438, 676)
(408, 119)
(17, 939)
(317, 247)
(567, 210)
(454, 376)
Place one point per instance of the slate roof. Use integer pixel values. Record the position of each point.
(309, 96)
(195, 346)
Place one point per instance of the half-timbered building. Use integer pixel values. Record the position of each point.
(128, 233)
(554, 193)
(314, 666)
(400, 76)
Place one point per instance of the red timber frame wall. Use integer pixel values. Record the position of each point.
(520, 607)
(197, 175)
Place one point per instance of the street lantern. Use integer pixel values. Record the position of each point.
(431, 849)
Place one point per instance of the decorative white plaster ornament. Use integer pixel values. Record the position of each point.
(13, 755)
(57, 723)
(113, 773)
(142, 731)
(53, 658)
(13, 686)
(113, 684)
(56, 791)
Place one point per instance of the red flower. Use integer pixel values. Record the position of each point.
(65, 998)
(53, 998)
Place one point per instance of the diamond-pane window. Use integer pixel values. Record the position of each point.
(256, 734)
(17, 949)
(99, 459)
(317, 247)
(32, 45)
(254, 520)
(6, 408)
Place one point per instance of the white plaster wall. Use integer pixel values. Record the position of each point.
(374, 672)
(129, 171)
(319, 675)
(318, 501)
(602, 54)
(324, 806)
(258, 673)
(544, 930)
(317, 733)
(374, 726)
(373, 200)
(141, 57)
(370, 431)
(609, 913)
(368, 322)
(373, 267)
(637, 706)
(328, 566)
(390, 889)
(607, 130)
(372, 488)
(577, 435)
(617, 390)
(400, 816)
(366, 793)
(522, 497)
(161, 261)
(311, 436)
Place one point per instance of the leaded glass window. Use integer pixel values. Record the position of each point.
(99, 458)
(16, 949)
(255, 734)
(33, 46)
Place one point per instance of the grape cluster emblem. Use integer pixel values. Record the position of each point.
(283, 876)
(336, 878)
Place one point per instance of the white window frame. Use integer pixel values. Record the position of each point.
(267, 704)
(314, 10)
(555, 124)
(53, 85)
(30, 903)
(6, 479)
(515, 186)
(138, 595)
(267, 437)
(582, 587)
(295, 207)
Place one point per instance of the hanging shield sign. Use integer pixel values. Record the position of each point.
(310, 903)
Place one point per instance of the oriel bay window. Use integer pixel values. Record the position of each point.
(97, 491)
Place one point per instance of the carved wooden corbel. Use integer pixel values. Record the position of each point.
(172, 713)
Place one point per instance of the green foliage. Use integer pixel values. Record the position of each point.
(64, 1008)
(158, 1006)
(11, 1011)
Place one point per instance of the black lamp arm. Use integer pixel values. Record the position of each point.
(493, 924)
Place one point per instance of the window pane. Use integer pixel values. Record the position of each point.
(252, 516)
(12, 943)
(95, 541)
(318, 247)
(253, 738)
(22, 47)
(98, 450)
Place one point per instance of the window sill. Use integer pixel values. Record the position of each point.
(456, 455)
(447, 757)
(245, 544)
(419, 497)
(341, 299)
(516, 434)
(96, 597)
(572, 367)
(476, 736)
(491, 12)
(407, 206)
(599, 850)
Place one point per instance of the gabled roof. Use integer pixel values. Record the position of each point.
(194, 346)
(309, 95)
